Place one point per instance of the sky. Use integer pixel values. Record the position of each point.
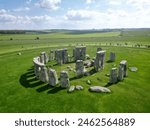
(74, 14)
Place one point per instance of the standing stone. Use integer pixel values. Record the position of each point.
(99, 49)
(112, 56)
(43, 58)
(79, 53)
(79, 68)
(120, 73)
(52, 55)
(65, 55)
(37, 66)
(61, 56)
(123, 64)
(43, 74)
(53, 79)
(64, 79)
(113, 75)
(99, 61)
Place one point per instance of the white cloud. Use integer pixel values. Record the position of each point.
(2, 11)
(49, 4)
(90, 1)
(84, 19)
(114, 2)
(139, 4)
(78, 15)
(21, 9)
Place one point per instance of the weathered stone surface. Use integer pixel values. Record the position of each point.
(87, 64)
(87, 73)
(87, 56)
(37, 66)
(112, 56)
(99, 61)
(52, 55)
(123, 64)
(79, 53)
(43, 57)
(64, 79)
(53, 78)
(43, 74)
(71, 89)
(61, 56)
(79, 68)
(99, 89)
(133, 69)
(79, 87)
(113, 75)
(120, 73)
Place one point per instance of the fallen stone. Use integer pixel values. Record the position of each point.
(133, 69)
(71, 89)
(87, 56)
(79, 87)
(99, 89)
(108, 75)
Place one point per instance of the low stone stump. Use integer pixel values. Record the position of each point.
(99, 89)
(133, 69)
(79, 87)
(71, 89)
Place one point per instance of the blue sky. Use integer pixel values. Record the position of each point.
(74, 14)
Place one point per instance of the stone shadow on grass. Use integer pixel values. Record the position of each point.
(28, 79)
(55, 90)
(109, 84)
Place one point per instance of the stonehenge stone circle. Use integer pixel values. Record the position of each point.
(49, 75)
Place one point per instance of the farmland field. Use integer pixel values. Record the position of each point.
(22, 92)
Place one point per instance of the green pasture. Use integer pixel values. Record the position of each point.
(22, 92)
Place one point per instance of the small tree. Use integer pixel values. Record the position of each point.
(37, 38)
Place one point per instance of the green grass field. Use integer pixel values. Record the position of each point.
(21, 92)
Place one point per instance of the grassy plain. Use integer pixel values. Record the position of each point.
(21, 92)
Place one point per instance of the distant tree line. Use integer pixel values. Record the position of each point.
(12, 32)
